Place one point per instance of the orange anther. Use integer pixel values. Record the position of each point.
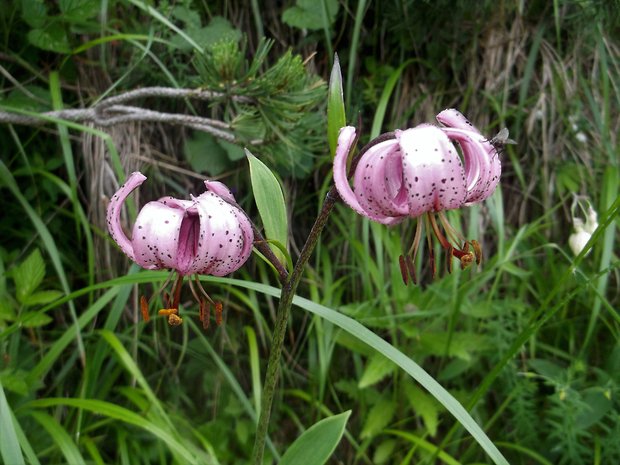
(218, 313)
(403, 269)
(477, 251)
(205, 314)
(174, 319)
(467, 260)
(411, 269)
(144, 309)
(168, 311)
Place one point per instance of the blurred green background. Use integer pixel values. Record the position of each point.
(528, 342)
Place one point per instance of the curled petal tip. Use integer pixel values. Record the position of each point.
(113, 215)
(221, 190)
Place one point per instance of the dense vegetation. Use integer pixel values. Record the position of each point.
(528, 342)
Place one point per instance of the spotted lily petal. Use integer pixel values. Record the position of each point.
(432, 170)
(161, 234)
(378, 180)
(345, 142)
(482, 164)
(421, 172)
(113, 216)
(205, 235)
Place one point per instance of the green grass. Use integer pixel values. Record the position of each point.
(516, 358)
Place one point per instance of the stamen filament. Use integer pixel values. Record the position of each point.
(452, 233)
(202, 290)
(438, 234)
(429, 241)
(413, 251)
(177, 291)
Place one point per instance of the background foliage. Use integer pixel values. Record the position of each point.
(528, 342)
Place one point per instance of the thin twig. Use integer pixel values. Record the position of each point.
(111, 111)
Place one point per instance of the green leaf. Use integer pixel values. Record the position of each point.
(383, 452)
(206, 155)
(378, 418)
(308, 14)
(35, 319)
(39, 100)
(188, 16)
(425, 406)
(9, 445)
(385, 98)
(218, 29)
(79, 10)
(42, 297)
(377, 368)
(28, 275)
(317, 443)
(597, 406)
(53, 38)
(233, 151)
(461, 345)
(336, 117)
(15, 381)
(270, 202)
(155, 426)
(547, 369)
(7, 313)
(34, 12)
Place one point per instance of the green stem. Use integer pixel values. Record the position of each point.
(286, 300)
(284, 309)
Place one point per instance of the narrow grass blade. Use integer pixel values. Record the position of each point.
(377, 121)
(317, 443)
(232, 381)
(9, 445)
(53, 352)
(162, 19)
(116, 412)
(354, 51)
(131, 366)
(254, 368)
(60, 436)
(427, 446)
(392, 353)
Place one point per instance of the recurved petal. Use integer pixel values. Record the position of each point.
(157, 238)
(378, 181)
(453, 118)
(482, 165)
(220, 189)
(225, 238)
(345, 142)
(113, 216)
(432, 171)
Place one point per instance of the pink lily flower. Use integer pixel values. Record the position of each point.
(208, 234)
(419, 172)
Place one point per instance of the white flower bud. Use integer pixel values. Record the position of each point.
(581, 137)
(578, 240)
(591, 221)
